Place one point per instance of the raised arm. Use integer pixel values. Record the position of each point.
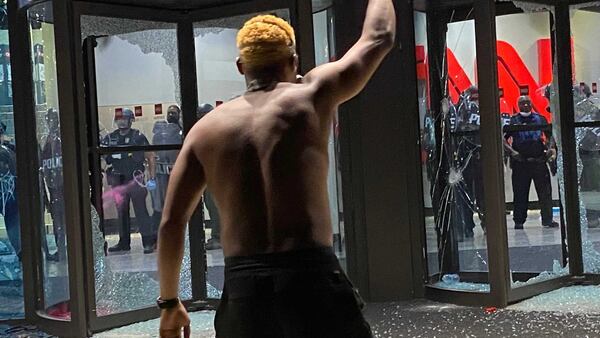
(186, 184)
(341, 80)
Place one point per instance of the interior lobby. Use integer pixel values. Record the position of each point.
(441, 218)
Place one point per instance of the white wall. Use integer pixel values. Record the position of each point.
(586, 33)
(218, 77)
(126, 76)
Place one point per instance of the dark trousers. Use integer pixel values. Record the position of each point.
(590, 180)
(13, 228)
(300, 294)
(472, 198)
(135, 194)
(522, 175)
(215, 223)
(57, 211)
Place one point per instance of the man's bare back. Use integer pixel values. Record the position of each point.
(265, 159)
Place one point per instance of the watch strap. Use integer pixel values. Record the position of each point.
(167, 303)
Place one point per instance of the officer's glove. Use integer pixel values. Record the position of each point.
(151, 184)
(551, 155)
(515, 155)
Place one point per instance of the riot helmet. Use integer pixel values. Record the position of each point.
(52, 119)
(124, 119)
(203, 109)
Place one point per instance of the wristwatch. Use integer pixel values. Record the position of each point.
(167, 303)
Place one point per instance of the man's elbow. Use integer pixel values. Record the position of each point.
(384, 39)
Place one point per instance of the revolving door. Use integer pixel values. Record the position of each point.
(503, 225)
(92, 65)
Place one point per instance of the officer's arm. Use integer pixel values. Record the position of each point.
(550, 142)
(186, 184)
(151, 158)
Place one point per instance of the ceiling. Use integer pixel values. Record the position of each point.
(196, 4)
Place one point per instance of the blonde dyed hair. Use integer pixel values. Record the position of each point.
(264, 40)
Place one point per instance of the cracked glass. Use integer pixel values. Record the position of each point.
(536, 224)
(138, 94)
(456, 248)
(587, 132)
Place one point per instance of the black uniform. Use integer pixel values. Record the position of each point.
(465, 121)
(164, 133)
(52, 171)
(121, 173)
(8, 196)
(531, 165)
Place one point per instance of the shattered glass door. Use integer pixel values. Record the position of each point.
(585, 30)
(135, 123)
(536, 226)
(451, 153)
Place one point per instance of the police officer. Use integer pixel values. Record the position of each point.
(214, 243)
(127, 169)
(167, 131)
(589, 147)
(530, 151)
(468, 122)
(8, 192)
(52, 175)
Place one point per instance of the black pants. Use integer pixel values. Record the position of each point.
(472, 198)
(215, 224)
(12, 223)
(301, 294)
(135, 194)
(522, 175)
(590, 179)
(57, 211)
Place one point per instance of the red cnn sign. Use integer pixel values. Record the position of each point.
(158, 109)
(138, 111)
(118, 113)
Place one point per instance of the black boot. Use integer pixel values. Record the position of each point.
(119, 247)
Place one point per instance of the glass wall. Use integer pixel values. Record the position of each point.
(456, 244)
(587, 121)
(324, 36)
(532, 150)
(11, 277)
(137, 89)
(48, 129)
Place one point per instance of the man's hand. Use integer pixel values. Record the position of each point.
(173, 322)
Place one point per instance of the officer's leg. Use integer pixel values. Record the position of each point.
(162, 181)
(215, 238)
(214, 215)
(124, 222)
(521, 182)
(58, 219)
(466, 199)
(543, 187)
(478, 191)
(138, 198)
(13, 228)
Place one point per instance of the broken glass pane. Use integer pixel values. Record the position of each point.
(587, 110)
(451, 147)
(119, 291)
(536, 227)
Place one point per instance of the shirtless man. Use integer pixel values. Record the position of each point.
(264, 158)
